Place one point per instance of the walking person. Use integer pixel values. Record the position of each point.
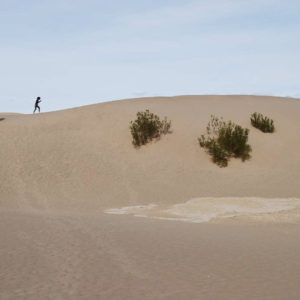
(36, 105)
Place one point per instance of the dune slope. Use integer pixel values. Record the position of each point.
(83, 159)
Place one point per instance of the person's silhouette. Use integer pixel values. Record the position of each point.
(36, 105)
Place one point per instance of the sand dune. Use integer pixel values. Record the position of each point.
(61, 171)
(83, 158)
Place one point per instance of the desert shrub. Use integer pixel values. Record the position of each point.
(224, 140)
(233, 139)
(148, 126)
(261, 122)
(218, 154)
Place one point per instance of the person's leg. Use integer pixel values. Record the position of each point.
(39, 109)
(34, 110)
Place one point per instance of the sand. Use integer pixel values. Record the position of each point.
(234, 232)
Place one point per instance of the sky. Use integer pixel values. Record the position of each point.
(79, 52)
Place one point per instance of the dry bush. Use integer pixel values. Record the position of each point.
(224, 140)
(148, 126)
(261, 122)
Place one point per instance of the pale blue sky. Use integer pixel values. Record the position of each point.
(78, 52)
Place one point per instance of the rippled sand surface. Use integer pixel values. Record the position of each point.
(56, 256)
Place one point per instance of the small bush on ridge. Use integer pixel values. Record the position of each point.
(261, 122)
(148, 126)
(225, 140)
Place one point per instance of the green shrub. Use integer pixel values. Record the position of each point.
(218, 154)
(262, 123)
(148, 126)
(225, 140)
(233, 139)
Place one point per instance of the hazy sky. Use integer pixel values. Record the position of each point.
(77, 52)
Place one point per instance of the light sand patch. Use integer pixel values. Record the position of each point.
(130, 209)
(206, 209)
